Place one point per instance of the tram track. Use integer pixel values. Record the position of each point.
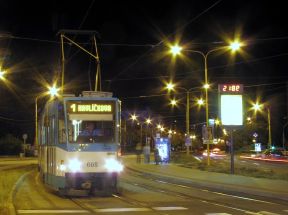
(185, 196)
(82, 205)
(130, 203)
(195, 185)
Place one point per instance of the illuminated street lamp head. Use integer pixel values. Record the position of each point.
(2, 74)
(170, 86)
(148, 121)
(173, 102)
(257, 106)
(175, 50)
(234, 46)
(53, 91)
(206, 86)
(200, 102)
(133, 117)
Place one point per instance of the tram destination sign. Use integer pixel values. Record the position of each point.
(89, 107)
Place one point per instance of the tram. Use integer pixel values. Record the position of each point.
(79, 141)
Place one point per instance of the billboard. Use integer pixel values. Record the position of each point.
(231, 104)
(163, 147)
(231, 110)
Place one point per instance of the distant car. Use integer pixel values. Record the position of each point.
(273, 153)
(214, 152)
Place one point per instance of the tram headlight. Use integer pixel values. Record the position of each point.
(62, 167)
(74, 165)
(112, 165)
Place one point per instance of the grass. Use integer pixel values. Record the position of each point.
(189, 161)
(7, 180)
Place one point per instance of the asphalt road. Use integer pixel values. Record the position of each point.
(13, 162)
(141, 193)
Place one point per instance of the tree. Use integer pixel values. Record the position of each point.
(10, 145)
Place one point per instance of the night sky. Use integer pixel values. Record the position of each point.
(132, 44)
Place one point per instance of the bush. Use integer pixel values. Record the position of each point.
(10, 145)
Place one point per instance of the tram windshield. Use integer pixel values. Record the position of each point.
(91, 131)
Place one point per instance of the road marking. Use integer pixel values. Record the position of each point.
(52, 211)
(267, 213)
(223, 194)
(239, 197)
(225, 206)
(285, 211)
(169, 208)
(218, 214)
(107, 210)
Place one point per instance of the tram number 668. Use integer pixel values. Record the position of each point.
(92, 164)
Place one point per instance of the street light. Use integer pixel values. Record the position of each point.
(2, 73)
(176, 49)
(52, 91)
(148, 121)
(258, 107)
(171, 86)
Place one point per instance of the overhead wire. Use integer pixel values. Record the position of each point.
(210, 68)
(159, 43)
(14, 120)
(179, 93)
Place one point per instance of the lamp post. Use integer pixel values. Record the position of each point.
(53, 91)
(283, 135)
(148, 121)
(171, 86)
(258, 107)
(175, 50)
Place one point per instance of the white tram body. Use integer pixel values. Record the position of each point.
(79, 140)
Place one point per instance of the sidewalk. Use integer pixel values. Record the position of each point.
(277, 189)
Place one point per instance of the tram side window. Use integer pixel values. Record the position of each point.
(52, 131)
(61, 125)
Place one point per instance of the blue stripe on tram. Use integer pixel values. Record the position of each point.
(98, 147)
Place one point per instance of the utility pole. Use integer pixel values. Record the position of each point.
(187, 121)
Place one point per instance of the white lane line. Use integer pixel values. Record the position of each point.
(218, 214)
(267, 213)
(169, 208)
(52, 211)
(225, 206)
(223, 194)
(239, 197)
(109, 210)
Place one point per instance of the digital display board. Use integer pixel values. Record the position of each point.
(163, 147)
(231, 110)
(230, 88)
(89, 107)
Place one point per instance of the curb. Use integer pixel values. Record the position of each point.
(11, 208)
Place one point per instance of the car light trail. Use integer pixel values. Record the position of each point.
(266, 159)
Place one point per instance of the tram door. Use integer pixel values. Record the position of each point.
(51, 150)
